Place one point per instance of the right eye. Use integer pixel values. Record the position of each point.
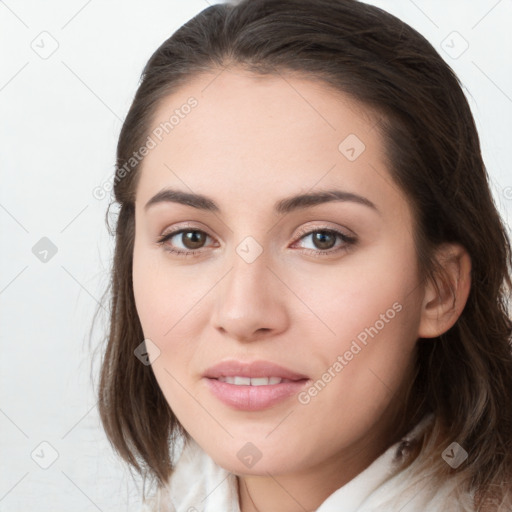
(191, 240)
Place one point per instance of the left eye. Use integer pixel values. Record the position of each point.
(325, 239)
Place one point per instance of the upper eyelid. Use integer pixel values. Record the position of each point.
(184, 227)
(325, 227)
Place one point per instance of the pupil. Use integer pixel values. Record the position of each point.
(320, 239)
(193, 239)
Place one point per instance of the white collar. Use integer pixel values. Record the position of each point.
(199, 484)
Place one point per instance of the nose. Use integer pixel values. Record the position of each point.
(250, 301)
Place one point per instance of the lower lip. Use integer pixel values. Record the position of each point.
(254, 398)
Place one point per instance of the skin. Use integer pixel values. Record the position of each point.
(250, 142)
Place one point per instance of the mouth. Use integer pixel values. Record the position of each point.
(252, 381)
(253, 386)
(252, 370)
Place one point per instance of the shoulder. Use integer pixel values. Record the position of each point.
(159, 502)
(410, 489)
(393, 483)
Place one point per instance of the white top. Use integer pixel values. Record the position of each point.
(198, 484)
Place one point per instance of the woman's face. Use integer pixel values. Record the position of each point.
(326, 286)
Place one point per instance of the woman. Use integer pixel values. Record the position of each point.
(310, 283)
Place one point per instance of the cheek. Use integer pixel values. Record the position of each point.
(158, 300)
(171, 305)
(162, 294)
(372, 308)
(352, 296)
(147, 297)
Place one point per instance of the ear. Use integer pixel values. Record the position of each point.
(446, 292)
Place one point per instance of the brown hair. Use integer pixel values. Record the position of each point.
(465, 375)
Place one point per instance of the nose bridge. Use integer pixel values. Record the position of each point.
(249, 300)
(247, 283)
(249, 263)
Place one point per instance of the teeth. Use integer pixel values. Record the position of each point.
(247, 381)
(242, 381)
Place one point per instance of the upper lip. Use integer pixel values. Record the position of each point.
(232, 368)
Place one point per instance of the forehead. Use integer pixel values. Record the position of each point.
(267, 135)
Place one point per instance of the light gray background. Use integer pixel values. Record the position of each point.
(60, 117)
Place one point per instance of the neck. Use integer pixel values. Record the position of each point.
(306, 490)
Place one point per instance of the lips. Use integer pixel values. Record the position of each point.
(253, 369)
(253, 386)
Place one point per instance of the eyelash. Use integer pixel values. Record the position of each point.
(347, 240)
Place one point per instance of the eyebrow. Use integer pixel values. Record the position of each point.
(282, 206)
